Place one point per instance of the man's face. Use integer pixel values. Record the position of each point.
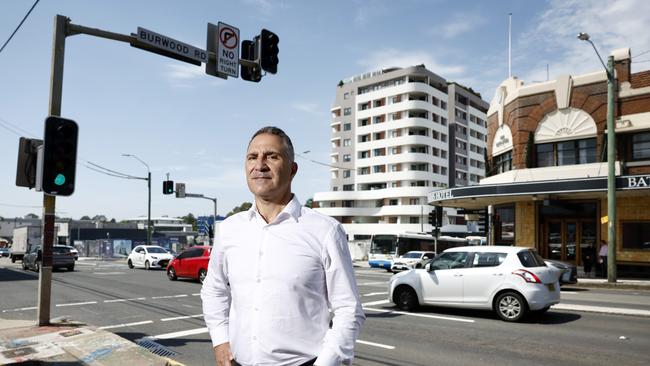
(269, 170)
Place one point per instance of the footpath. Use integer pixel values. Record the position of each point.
(69, 343)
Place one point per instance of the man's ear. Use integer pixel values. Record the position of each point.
(294, 169)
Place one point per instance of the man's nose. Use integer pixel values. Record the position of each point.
(260, 164)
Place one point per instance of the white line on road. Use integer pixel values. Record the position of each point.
(375, 344)
(126, 324)
(421, 315)
(376, 293)
(181, 317)
(179, 334)
(168, 297)
(601, 309)
(20, 309)
(199, 294)
(380, 302)
(568, 292)
(77, 303)
(121, 300)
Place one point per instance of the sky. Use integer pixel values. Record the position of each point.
(196, 127)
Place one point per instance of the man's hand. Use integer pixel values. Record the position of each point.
(222, 354)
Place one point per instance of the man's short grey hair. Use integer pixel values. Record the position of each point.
(272, 130)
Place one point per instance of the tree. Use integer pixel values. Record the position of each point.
(100, 218)
(243, 207)
(341, 83)
(85, 217)
(190, 219)
(31, 216)
(309, 203)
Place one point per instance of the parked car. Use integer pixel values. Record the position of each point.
(61, 258)
(149, 256)
(74, 251)
(568, 271)
(512, 281)
(4, 252)
(411, 260)
(191, 262)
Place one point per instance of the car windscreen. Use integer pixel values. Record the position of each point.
(530, 258)
(156, 250)
(60, 250)
(412, 255)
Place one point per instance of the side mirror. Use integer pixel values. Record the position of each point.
(427, 267)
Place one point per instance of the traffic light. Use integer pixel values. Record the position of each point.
(59, 156)
(432, 218)
(269, 51)
(438, 216)
(249, 73)
(168, 186)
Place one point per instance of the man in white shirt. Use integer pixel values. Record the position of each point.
(276, 272)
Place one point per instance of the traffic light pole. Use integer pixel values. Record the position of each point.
(49, 202)
(214, 224)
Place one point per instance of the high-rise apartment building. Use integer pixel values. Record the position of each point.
(397, 135)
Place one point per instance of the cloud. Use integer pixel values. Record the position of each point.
(229, 177)
(368, 13)
(552, 38)
(459, 24)
(187, 75)
(307, 107)
(388, 57)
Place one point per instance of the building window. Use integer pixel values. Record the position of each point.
(414, 220)
(636, 235)
(346, 96)
(443, 105)
(347, 203)
(346, 174)
(346, 158)
(503, 162)
(641, 146)
(504, 225)
(348, 187)
(347, 111)
(347, 142)
(364, 154)
(364, 170)
(347, 126)
(392, 202)
(566, 152)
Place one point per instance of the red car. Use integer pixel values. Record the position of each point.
(191, 262)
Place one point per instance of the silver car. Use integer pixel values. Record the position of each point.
(61, 258)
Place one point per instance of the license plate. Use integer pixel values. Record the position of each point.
(551, 286)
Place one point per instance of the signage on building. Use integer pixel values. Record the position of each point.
(228, 50)
(502, 140)
(636, 182)
(443, 194)
(171, 45)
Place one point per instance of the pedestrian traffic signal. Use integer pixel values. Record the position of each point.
(59, 156)
(269, 51)
(249, 72)
(168, 186)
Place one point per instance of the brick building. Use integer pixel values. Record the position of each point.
(546, 179)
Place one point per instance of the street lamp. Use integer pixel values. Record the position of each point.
(611, 162)
(149, 201)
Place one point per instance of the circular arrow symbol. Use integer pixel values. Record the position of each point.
(228, 38)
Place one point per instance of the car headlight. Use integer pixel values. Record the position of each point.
(153, 257)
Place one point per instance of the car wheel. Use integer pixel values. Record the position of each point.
(24, 266)
(37, 267)
(130, 264)
(13, 259)
(171, 274)
(406, 299)
(202, 274)
(510, 306)
(147, 265)
(70, 268)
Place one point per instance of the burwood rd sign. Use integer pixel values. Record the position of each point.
(169, 44)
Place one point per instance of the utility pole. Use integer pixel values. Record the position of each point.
(49, 202)
(611, 173)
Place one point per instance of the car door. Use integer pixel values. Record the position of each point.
(180, 265)
(483, 277)
(443, 284)
(139, 256)
(192, 262)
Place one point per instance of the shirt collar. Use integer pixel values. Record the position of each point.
(293, 209)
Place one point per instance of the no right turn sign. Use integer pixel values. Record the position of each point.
(228, 50)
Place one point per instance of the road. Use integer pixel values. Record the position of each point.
(136, 304)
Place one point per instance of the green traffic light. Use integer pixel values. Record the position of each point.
(59, 180)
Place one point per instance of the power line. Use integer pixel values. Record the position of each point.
(642, 53)
(19, 25)
(113, 173)
(16, 129)
(320, 163)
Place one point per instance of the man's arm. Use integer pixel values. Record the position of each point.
(343, 297)
(215, 295)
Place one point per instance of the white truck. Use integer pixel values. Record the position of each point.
(24, 238)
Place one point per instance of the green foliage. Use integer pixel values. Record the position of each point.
(190, 219)
(341, 83)
(309, 202)
(243, 207)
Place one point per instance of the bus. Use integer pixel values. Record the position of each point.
(384, 248)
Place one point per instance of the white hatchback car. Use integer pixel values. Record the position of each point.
(149, 256)
(509, 280)
(411, 260)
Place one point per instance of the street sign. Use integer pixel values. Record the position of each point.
(228, 50)
(180, 190)
(171, 45)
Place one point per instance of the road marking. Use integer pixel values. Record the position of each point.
(375, 344)
(168, 297)
(109, 273)
(77, 303)
(182, 333)
(371, 283)
(20, 309)
(421, 315)
(568, 292)
(126, 325)
(121, 300)
(376, 293)
(601, 309)
(380, 302)
(199, 294)
(181, 317)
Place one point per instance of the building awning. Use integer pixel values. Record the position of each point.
(479, 196)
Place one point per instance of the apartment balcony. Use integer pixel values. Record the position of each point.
(372, 195)
(397, 210)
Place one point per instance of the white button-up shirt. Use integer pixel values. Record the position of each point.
(270, 288)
